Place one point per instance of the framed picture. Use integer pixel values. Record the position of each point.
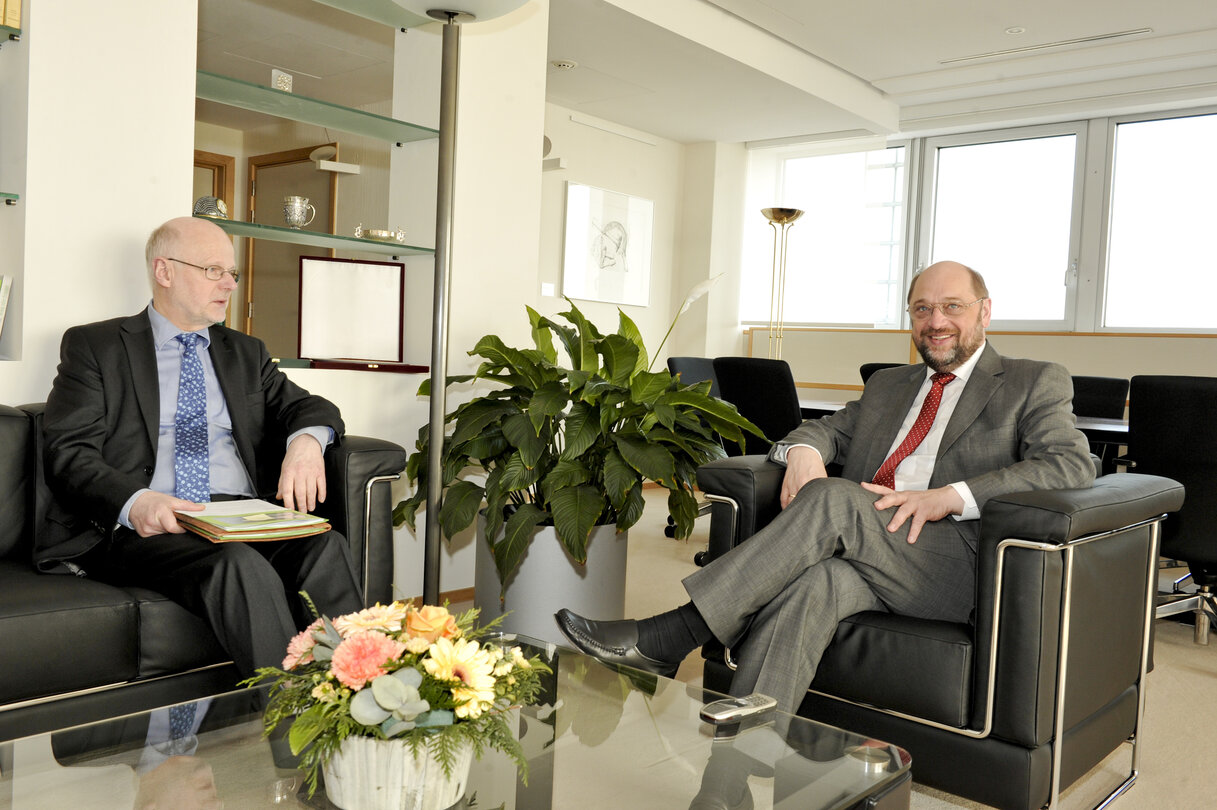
(608, 246)
(352, 310)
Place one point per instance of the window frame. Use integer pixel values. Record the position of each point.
(1098, 306)
(928, 182)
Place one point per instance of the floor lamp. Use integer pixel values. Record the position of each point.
(780, 219)
(464, 11)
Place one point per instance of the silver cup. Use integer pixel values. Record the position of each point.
(297, 212)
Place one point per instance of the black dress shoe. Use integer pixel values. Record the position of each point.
(613, 642)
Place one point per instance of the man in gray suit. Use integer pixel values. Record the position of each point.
(921, 451)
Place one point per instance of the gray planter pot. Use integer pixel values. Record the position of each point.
(548, 580)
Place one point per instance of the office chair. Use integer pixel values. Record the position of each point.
(763, 391)
(867, 369)
(695, 369)
(1171, 432)
(692, 370)
(1103, 398)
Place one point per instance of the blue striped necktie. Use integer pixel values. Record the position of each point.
(191, 468)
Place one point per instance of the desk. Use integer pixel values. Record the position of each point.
(815, 408)
(1111, 431)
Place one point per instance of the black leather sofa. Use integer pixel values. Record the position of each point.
(1062, 576)
(76, 650)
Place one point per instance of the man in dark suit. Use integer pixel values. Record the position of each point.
(922, 450)
(129, 395)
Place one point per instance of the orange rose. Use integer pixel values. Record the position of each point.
(431, 623)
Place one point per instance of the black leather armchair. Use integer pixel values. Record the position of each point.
(1057, 649)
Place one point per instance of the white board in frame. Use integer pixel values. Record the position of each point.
(351, 309)
(607, 254)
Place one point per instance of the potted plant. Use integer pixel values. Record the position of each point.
(394, 702)
(569, 445)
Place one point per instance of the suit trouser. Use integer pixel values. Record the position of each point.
(777, 599)
(247, 592)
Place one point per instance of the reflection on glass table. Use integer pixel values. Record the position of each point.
(599, 737)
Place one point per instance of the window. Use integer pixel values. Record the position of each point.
(845, 254)
(1162, 211)
(1006, 207)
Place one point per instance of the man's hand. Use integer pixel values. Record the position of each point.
(802, 465)
(178, 783)
(152, 513)
(932, 504)
(302, 477)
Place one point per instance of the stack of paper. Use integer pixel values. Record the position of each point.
(250, 520)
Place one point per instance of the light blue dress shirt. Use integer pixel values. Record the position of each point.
(228, 475)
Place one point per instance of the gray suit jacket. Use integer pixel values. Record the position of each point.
(1012, 430)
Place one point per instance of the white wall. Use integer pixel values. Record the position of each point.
(617, 159)
(107, 158)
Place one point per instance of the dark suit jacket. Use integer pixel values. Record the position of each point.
(102, 420)
(1012, 430)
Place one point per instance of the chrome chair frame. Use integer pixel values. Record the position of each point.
(1067, 549)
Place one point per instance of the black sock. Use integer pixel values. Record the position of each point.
(671, 636)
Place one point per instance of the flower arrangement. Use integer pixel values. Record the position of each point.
(399, 671)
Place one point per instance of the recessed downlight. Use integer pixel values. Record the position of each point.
(1015, 30)
(565, 64)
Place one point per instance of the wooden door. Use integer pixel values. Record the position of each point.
(272, 311)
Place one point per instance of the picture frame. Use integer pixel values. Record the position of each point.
(607, 249)
(337, 293)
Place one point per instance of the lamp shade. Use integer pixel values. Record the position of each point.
(461, 10)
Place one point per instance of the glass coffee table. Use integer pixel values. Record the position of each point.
(600, 737)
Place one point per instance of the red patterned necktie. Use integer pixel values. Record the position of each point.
(886, 477)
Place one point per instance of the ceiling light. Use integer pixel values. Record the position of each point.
(565, 64)
(1015, 30)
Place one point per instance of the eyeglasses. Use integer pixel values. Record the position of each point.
(951, 309)
(213, 271)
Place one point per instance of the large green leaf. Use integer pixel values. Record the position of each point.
(582, 428)
(489, 444)
(517, 535)
(460, 506)
(587, 336)
(566, 473)
(619, 478)
(515, 362)
(683, 508)
(635, 503)
(517, 475)
(542, 337)
(477, 415)
(620, 357)
(649, 386)
(549, 400)
(627, 329)
(652, 460)
(576, 511)
(424, 388)
(519, 431)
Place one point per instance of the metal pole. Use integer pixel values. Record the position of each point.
(449, 77)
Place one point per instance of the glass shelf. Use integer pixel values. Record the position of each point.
(314, 239)
(7, 33)
(9, 199)
(381, 11)
(255, 97)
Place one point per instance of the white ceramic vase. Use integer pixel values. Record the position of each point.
(371, 774)
(549, 580)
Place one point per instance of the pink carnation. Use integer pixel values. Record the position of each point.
(362, 657)
(300, 648)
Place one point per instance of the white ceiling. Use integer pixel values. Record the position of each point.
(748, 70)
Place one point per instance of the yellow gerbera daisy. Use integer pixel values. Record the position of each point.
(463, 660)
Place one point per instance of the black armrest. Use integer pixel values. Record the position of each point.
(754, 484)
(360, 507)
(1108, 595)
